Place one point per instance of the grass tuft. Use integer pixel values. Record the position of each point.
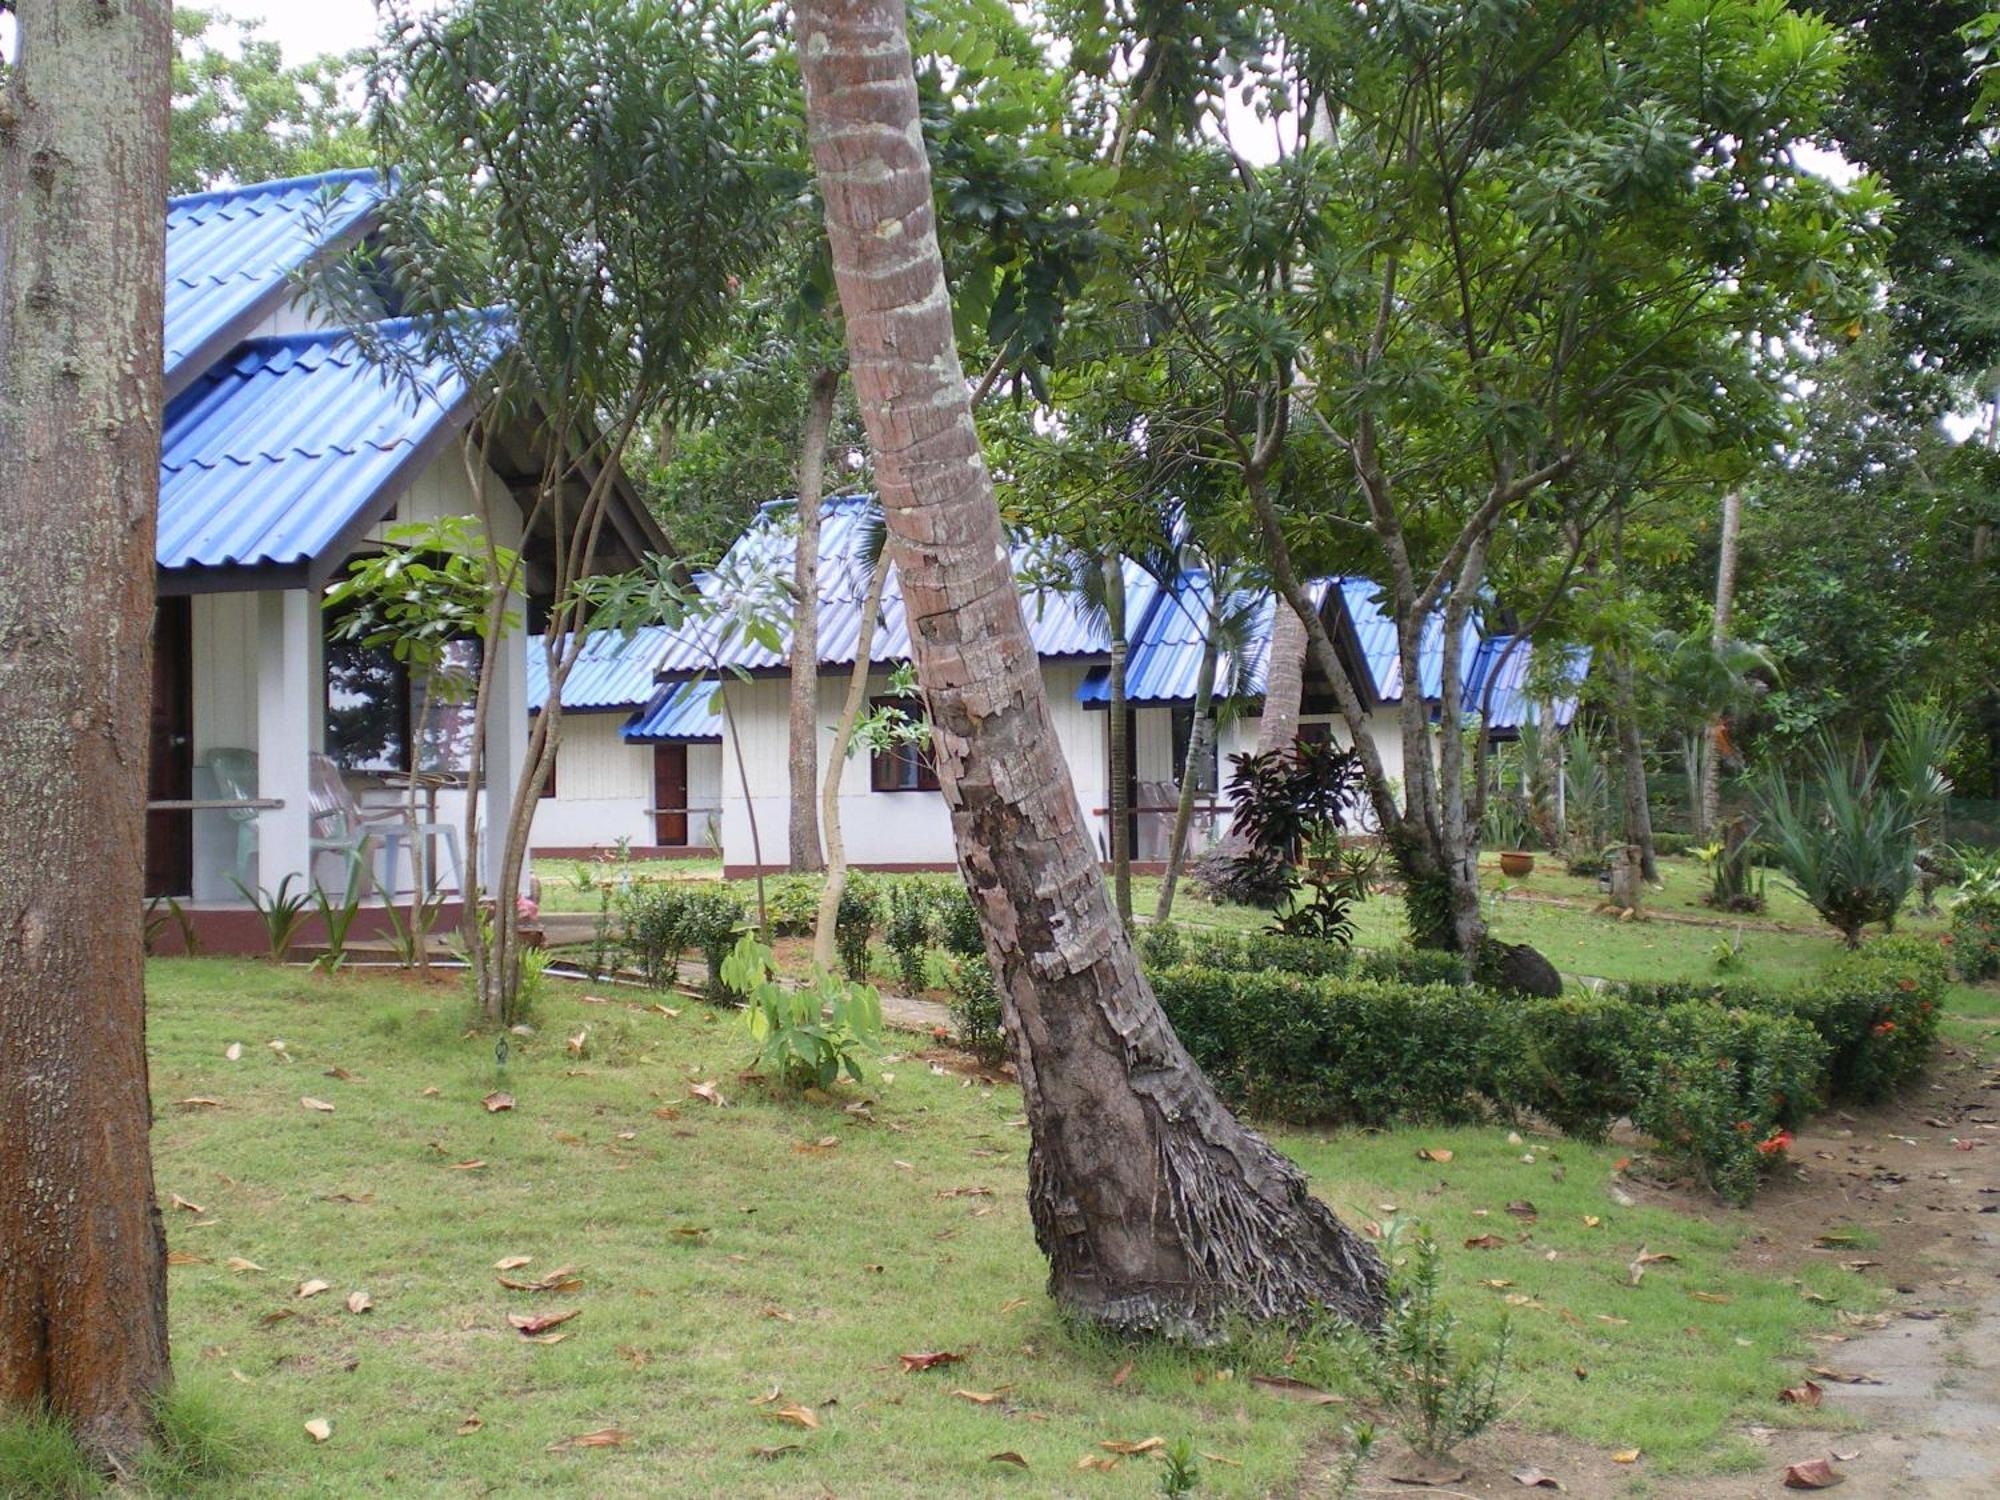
(39, 1460)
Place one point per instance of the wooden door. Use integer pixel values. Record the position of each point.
(170, 752)
(670, 796)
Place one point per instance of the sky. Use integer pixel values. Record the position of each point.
(305, 28)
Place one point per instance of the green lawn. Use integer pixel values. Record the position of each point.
(780, 1246)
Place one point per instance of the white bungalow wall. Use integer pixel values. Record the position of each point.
(245, 654)
(604, 788)
(879, 829)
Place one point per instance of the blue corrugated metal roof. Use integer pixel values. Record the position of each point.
(678, 713)
(1059, 624)
(1165, 657)
(230, 255)
(1375, 633)
(274, 454)
(1509, 705)
(613, 670)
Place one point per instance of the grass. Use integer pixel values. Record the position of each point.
(796, 1247)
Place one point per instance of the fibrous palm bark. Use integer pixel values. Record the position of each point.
(1157, 1210)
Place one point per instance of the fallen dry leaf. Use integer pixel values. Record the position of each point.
(1715, 1297)
(544, 1338)
(513, 1262)
(1097, 1461)
(915, 1362)
(306, 1101)
(470, 1425)
(238, 1263)
(578, 1042)
(359, 1302)
(1485, 1242)
(497, 1101)
(1295, 1390)
(311, 1288)
(798, 1416)
(320, 1429)
(1433, 1153)
(532, 1323)
(775, 1450)
(978, 1398)
(563, 1280)
(1521, 1208)
(604, 1437)
(277, 1316)
(709, 1092)
(1535, 1479)
(1009, 1457)
(1812, 1474)
(1144, 1445)
(199, 1101)
(234, 1051)
(1806, 1393)
(184, 1258)
(1122, 1374)
(1012, 1303)
(1625, 1456)
(179, 1202)
(343, 1076)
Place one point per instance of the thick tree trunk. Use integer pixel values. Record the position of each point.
(804, 849)
(1156, 1208)
(1708, 796)
(83, 179)
(1201, 746)
(1119, 727)
(826, 925)
(1284, 681)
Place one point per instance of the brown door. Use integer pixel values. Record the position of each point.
(170, 762)
(670, 796)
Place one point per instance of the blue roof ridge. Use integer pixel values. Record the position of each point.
(345, 176)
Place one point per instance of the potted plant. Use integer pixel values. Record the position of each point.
(1515, 863)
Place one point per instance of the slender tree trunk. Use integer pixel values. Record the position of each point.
(1632, 767)
(826, 926)
(83, 182)
(1156, 1209)
(805, 850)
(1201, 745)
(1708, 797)
(1120, 729)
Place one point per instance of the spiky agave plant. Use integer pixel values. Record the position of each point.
(1845, 840)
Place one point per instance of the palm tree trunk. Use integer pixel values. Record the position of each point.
(826, 923)
(1632, 767)
(1164, 1214)
(83, 175)
(804, 727)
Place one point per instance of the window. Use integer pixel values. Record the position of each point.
(1183, 733)
(1317, 733)
(373, 710)
(902, 767)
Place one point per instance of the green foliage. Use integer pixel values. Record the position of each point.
(1877, 1011)
(906, 929)
(654, 929)
(958, 924)
(713, 915)
(1577, 1061)
(1845, 842)
(808, 1036)
(791, 903)
(40, 1459)
(430, 585)
(854, 924)
(975, 1008)
(1975, 919)
(1437, 1392)
(282, 913)
(1722, 1088)
(338, 920)
(1285, 803)
(1180, 1475)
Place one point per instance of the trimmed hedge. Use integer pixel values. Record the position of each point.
(1717, 1074)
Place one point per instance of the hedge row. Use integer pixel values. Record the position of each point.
(1717, 1077)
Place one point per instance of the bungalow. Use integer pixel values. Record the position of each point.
(275, 753)
(892, 816)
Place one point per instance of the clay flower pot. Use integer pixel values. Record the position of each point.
(1514, 863)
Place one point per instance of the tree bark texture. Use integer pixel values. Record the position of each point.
(1157, 1210)
(805, 842)
(83, 181)
(1708, 796)
(1118, 729)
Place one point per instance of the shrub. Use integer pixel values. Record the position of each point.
(1577, 1061)
(1411, 965)
(1878, 1012)
(1160, 946)
(1975, 919)
(975, 1009)
(1437, 1392)
(854, 924)
(1722, 1088)
(792, 903)
(655, 921)
(906, 928)
(1846, 843)
(811, 1035)
(714, 915)
(958, 924)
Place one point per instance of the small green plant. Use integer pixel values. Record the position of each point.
(534, 986)
(906, 928)
(958, 924)
(1975, 917)
(854, 924)
(1437, 1392)
(1180, 1474)
(792, 903)
(714, 916)
(807, 1036)
(282, 914)
(338, 920)
(410, 935)
(158, 920)
(654, 921)
(1845, 840)
(1728, 954)
(975, 1009)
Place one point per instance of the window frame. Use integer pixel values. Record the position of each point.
(902, 768)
